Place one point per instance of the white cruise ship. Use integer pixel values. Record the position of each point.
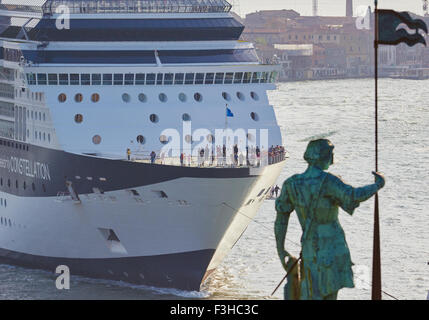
(111, 162)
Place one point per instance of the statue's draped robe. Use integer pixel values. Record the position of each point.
(326, 263)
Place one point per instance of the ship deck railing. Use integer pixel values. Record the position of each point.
(213, 161)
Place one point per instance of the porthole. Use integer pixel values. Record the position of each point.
(153, 118)
(163, 139)
(142, 97)
(254, 96)
(78, 118)
(162, 97)
(188, 138)
(95, 97)
(126, 97)
(182, 97)
(240, 96)
(186, 117)
(198, 97)
(254, 116)
(96, 139)
(140, 139)
(226, 96)
(61, 98)
(78, 97)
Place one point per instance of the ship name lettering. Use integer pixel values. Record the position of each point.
(29, 168)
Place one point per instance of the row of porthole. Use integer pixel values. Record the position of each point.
(164, 139)
(188, 138)
(24, 185)
(95, 97)
(5, 222)
(78, 118)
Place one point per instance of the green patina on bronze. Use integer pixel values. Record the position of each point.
(316, 195)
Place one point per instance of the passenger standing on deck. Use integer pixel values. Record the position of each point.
(276, 190)
(128, 154)
(182, 157)
(152, 157)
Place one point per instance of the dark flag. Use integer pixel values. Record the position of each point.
(390, 34)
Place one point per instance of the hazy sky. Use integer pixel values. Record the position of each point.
(326, 7)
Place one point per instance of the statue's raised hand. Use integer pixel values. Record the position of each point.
(379, 179)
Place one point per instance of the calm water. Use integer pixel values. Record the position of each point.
(343, 111)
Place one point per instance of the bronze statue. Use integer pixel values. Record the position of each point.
(325, 264)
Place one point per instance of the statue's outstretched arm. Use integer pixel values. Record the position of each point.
(364, 193)
(348, 197)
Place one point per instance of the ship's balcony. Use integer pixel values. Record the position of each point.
(138, 6)
(215, 159)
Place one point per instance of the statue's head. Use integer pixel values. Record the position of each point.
(320, 153)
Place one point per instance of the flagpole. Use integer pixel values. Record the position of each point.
(376, 259)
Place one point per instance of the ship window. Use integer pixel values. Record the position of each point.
(150, 79)
(96, 79)
(228, 78)
(264, 78)
(240, 96)
(163, 139)
(182, 97)
(61, 98)
(107, 79)
(198, 97)
(219, 78)
(78, 118)
(141, 139)
(168, 78)
(118, 79)
(96, 139)
(85, 79)
(153, 118)
(254, 116)
(95, 97)
(64, 79)
(31, 79)
(247, 77)
(140, 78)
(33, 186)
(186, 117)
(162, 97)
(78, 97)
(129, 79)
(209, 78)
(49, 137)
(226, 96)
(256, 76)
(74, 79)
(199, 78)
(142, 97)
(238, 77)
(41, 78)
(189, 78)
(179, 78)
(254, 95)
(159, 78)
(52, 79)
(126, 97)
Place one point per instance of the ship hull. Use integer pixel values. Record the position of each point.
(126, 221)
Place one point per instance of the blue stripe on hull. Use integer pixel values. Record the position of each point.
(183, 271)
(139, 30)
